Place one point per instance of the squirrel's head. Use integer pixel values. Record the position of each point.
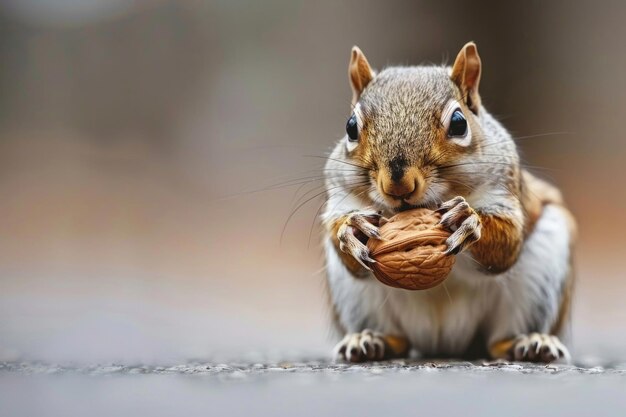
(410, 126)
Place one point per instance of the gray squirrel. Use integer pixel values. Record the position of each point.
(419, 137)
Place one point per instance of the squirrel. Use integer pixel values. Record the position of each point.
(419, 136)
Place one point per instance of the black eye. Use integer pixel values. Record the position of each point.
(458, 124)
(352, 129)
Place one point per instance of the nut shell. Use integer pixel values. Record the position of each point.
(411, 254)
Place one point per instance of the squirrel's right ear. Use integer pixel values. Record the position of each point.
(466, 75)
(360, 73)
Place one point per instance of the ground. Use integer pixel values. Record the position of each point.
(313, 388)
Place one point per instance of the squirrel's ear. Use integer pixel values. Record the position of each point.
(466, 75)
(360, 73)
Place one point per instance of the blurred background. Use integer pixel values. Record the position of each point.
(140, 142)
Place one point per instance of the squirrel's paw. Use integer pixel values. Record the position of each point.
(359, 347)
(538, 347)
(353, 233)
(462, 221)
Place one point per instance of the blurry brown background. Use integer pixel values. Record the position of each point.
(132, 132)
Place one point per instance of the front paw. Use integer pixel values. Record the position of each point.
(464, 223)
(359, 347)
(354, 231)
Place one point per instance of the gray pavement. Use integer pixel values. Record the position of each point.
(313, 388)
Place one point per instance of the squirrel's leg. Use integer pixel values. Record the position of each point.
(494, 237)
(531, 313)
(371, 346)
(359, 303)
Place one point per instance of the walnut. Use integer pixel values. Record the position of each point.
(411, 254)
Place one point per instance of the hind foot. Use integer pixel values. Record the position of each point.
(370, 346)
(534, 347)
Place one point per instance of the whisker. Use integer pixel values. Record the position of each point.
(520, 164)
(295, 194)
(353, 178)
(291, 183)
(338, 160)
(518, 138)
(326, 201)
(464, 184)
(305, 202)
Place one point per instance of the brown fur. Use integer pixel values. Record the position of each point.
(535, 194)
(397, 346)
(500, 243)
(501, 349)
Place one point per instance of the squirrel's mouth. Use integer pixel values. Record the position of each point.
(395, 205)
(407, 206)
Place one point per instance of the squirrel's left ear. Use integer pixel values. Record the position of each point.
(360, 73)
(466, 75)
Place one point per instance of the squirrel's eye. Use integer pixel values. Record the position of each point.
(352, 129)
(458, 124)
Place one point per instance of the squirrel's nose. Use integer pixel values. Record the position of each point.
(399, 189)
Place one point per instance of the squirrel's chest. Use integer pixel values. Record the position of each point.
(443, 319)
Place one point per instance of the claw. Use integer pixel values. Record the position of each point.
(453, 250)
(363, 262)
(463, 221)
(364, 226)
(537, 347)
(366, 222)
(358, 347)
(447, 205)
